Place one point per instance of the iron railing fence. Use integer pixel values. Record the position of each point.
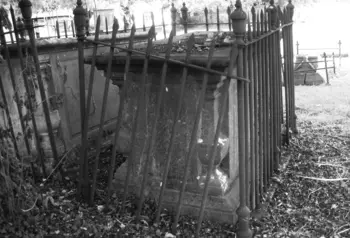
(255, 53)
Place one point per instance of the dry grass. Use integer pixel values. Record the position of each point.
(327, 104)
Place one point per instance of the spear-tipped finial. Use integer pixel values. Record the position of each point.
(238, 18)
(79, 19)
(238, 4)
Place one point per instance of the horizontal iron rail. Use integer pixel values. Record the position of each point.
(267, 34)
(175, 62)
(9, 32)
(312, 70)
(320, 49)
(313, 62)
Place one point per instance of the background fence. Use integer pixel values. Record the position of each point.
(261, 106)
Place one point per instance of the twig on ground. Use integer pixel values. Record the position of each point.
(32, 207)
(331, 165)
(324, 179)
(313, 192)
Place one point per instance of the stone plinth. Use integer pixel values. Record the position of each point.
(223, 193)
(59, 70)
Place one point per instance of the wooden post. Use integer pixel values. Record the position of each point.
(333, 63)
(339, 43)
(326, 67)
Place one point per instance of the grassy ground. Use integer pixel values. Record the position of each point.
(311, 194)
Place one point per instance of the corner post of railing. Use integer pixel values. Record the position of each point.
(339, 43)
(326, 67)
(184, 13)
(206, 18)
(228, 10)
(239, 18)
(79, 19)
(173, 11)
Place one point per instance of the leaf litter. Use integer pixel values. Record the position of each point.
(311, 197)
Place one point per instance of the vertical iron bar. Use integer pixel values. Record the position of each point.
(14, 86)
(163, 23)
(264, 115)
(160, 97)
(58, 29)
(243, 211)
(173, 11)
(26, 85)
(106, 25)
(135, 123)
(213, 151)
(267, 100)
(73, 27)
(119, 123)
(228, 17)
(103, 111)
(190, 44)
(30, 30)
(14, 141)
(255, 92)
(206, 18)
(260, 118)
(294, 125)
(194, 135)
(286, 80)
(65, 28)
(252, 121)
(218, 18)
(246, 127)
(143, 22)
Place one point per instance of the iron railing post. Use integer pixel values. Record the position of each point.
(238, 18)
(79, 20)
